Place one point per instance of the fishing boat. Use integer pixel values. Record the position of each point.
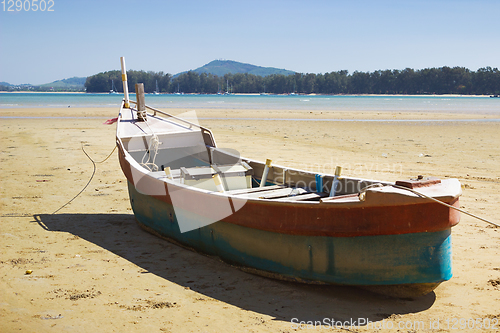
(388, 237)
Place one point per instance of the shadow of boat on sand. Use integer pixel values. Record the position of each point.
(120, 234)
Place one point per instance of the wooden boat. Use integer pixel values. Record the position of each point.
(283, 222)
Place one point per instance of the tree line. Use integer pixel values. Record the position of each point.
(443, 80)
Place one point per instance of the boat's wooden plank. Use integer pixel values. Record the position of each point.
(307, 196)
(281, 193)
(339, 198)
(129, 126)
(273, 194)
(255, 189)
(176, 174)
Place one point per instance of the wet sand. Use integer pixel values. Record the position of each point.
(93, 269)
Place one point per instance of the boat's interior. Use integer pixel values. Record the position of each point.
(173, 150)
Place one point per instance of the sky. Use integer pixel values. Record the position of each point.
(82, 38)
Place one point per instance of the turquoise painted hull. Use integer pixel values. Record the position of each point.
(381, 260)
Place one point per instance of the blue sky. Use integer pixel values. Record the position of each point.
(81, 38)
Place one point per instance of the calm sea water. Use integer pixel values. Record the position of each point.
(430, 104)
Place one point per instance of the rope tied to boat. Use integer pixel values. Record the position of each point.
(153, 144)
(91, 177)
(362, 195)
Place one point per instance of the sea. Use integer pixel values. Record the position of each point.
(426, 104)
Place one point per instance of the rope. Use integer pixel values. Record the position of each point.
(154, 143)
(431, 198)
(91, 177)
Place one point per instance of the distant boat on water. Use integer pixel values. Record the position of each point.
(157, 91)
(264, 93)
(178, 92)
(113, 88)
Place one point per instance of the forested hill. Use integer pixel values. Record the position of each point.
(223, 67)
(443, 80)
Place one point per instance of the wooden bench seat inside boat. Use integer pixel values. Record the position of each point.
(176, 174)
(308, 196)
(269, 192)
(342, 198)
(255, 189)
(278, 192)
(234, 177)
(282, 193)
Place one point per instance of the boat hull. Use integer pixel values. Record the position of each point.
(414, 262)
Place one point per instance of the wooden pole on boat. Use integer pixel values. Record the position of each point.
(263, 180)
(338, 171)
(168, 172)
(141, 102)
(125, 84)
(218, 182)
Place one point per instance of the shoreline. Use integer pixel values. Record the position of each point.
(254, 94)
(425, 120)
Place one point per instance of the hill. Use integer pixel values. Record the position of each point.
(74, 83)
(6, 84)
(222, 67)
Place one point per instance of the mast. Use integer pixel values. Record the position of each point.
(124, 80)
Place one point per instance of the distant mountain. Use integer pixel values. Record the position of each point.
(6, 84)
(73, 82)
(221, 67)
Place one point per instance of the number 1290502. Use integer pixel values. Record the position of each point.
(28, 5)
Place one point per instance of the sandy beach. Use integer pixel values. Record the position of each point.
(94, 269)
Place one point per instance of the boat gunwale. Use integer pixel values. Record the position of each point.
(311, 226)
(447, 198)
(331, 200)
